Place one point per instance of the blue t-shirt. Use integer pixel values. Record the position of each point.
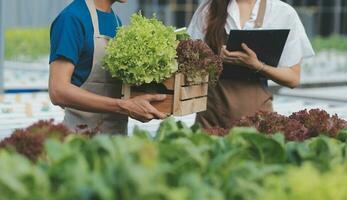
(72, 37)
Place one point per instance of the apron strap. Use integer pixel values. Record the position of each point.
(94, 16)
(261, 14)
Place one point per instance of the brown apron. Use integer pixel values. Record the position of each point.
(99, 82)
(240, 92)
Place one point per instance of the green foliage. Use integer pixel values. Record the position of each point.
(322, 152)
(334, 42)
(20, 179)
(143, 52)
(178, 163)
(307, 183)
(26, 43)
(182, 34)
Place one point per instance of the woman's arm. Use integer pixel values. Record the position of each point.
(286, 76)
(65, 94)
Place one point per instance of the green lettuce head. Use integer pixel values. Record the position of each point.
(143, 52)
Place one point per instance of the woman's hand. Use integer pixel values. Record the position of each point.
(286, 76)
(140, 107)
(248, 58)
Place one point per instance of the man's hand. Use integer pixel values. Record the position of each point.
(140, 107)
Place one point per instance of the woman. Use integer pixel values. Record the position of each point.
(241, 90)
(77, 81)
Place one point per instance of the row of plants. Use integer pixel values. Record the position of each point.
(334, 42)
(296, 127)
(26, 44)
(178, 162)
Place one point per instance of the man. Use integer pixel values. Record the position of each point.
(77, 81)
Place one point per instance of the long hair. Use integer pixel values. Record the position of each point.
(216, 19)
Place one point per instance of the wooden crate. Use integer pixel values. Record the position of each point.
(182, 99)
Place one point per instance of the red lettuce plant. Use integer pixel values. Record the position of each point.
(272, 122)
(217, 131)
(30, 141)
(196, 60)
(319, 122)
(297, 127)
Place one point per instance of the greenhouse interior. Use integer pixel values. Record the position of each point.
(157, 105)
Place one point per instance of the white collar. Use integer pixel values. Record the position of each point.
(234, 12)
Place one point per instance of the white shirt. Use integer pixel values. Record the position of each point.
(278, 15)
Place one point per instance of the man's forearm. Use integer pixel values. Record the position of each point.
(77, 98)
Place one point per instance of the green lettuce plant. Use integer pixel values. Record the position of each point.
(143, 52)
(305, 183)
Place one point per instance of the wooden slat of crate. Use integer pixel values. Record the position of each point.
(170, 83)
(190, 106)
(193, 91)
(126, 91)
(177, 92)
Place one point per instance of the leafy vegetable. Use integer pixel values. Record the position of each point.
(196, 60)
(30, 141)
(271, 123)
(178, 163)
(307, 183)
(217, 131)
(182, 34)
(143, 52)
(319, 122)
(299, 126)
(21, 179)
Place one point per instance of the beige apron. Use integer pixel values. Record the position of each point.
(242, 93)
(99, 82)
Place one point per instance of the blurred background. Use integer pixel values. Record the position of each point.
(24, 49)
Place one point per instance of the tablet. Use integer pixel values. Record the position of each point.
(267, 44)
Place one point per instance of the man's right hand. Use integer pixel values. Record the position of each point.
(140, 107)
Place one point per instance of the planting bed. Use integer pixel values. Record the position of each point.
(178, 162)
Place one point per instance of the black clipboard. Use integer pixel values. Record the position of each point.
(267, 44)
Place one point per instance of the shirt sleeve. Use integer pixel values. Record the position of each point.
(298, 46)
(196, 28)
(66, 38)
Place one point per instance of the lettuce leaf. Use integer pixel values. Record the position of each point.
(143, 52)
